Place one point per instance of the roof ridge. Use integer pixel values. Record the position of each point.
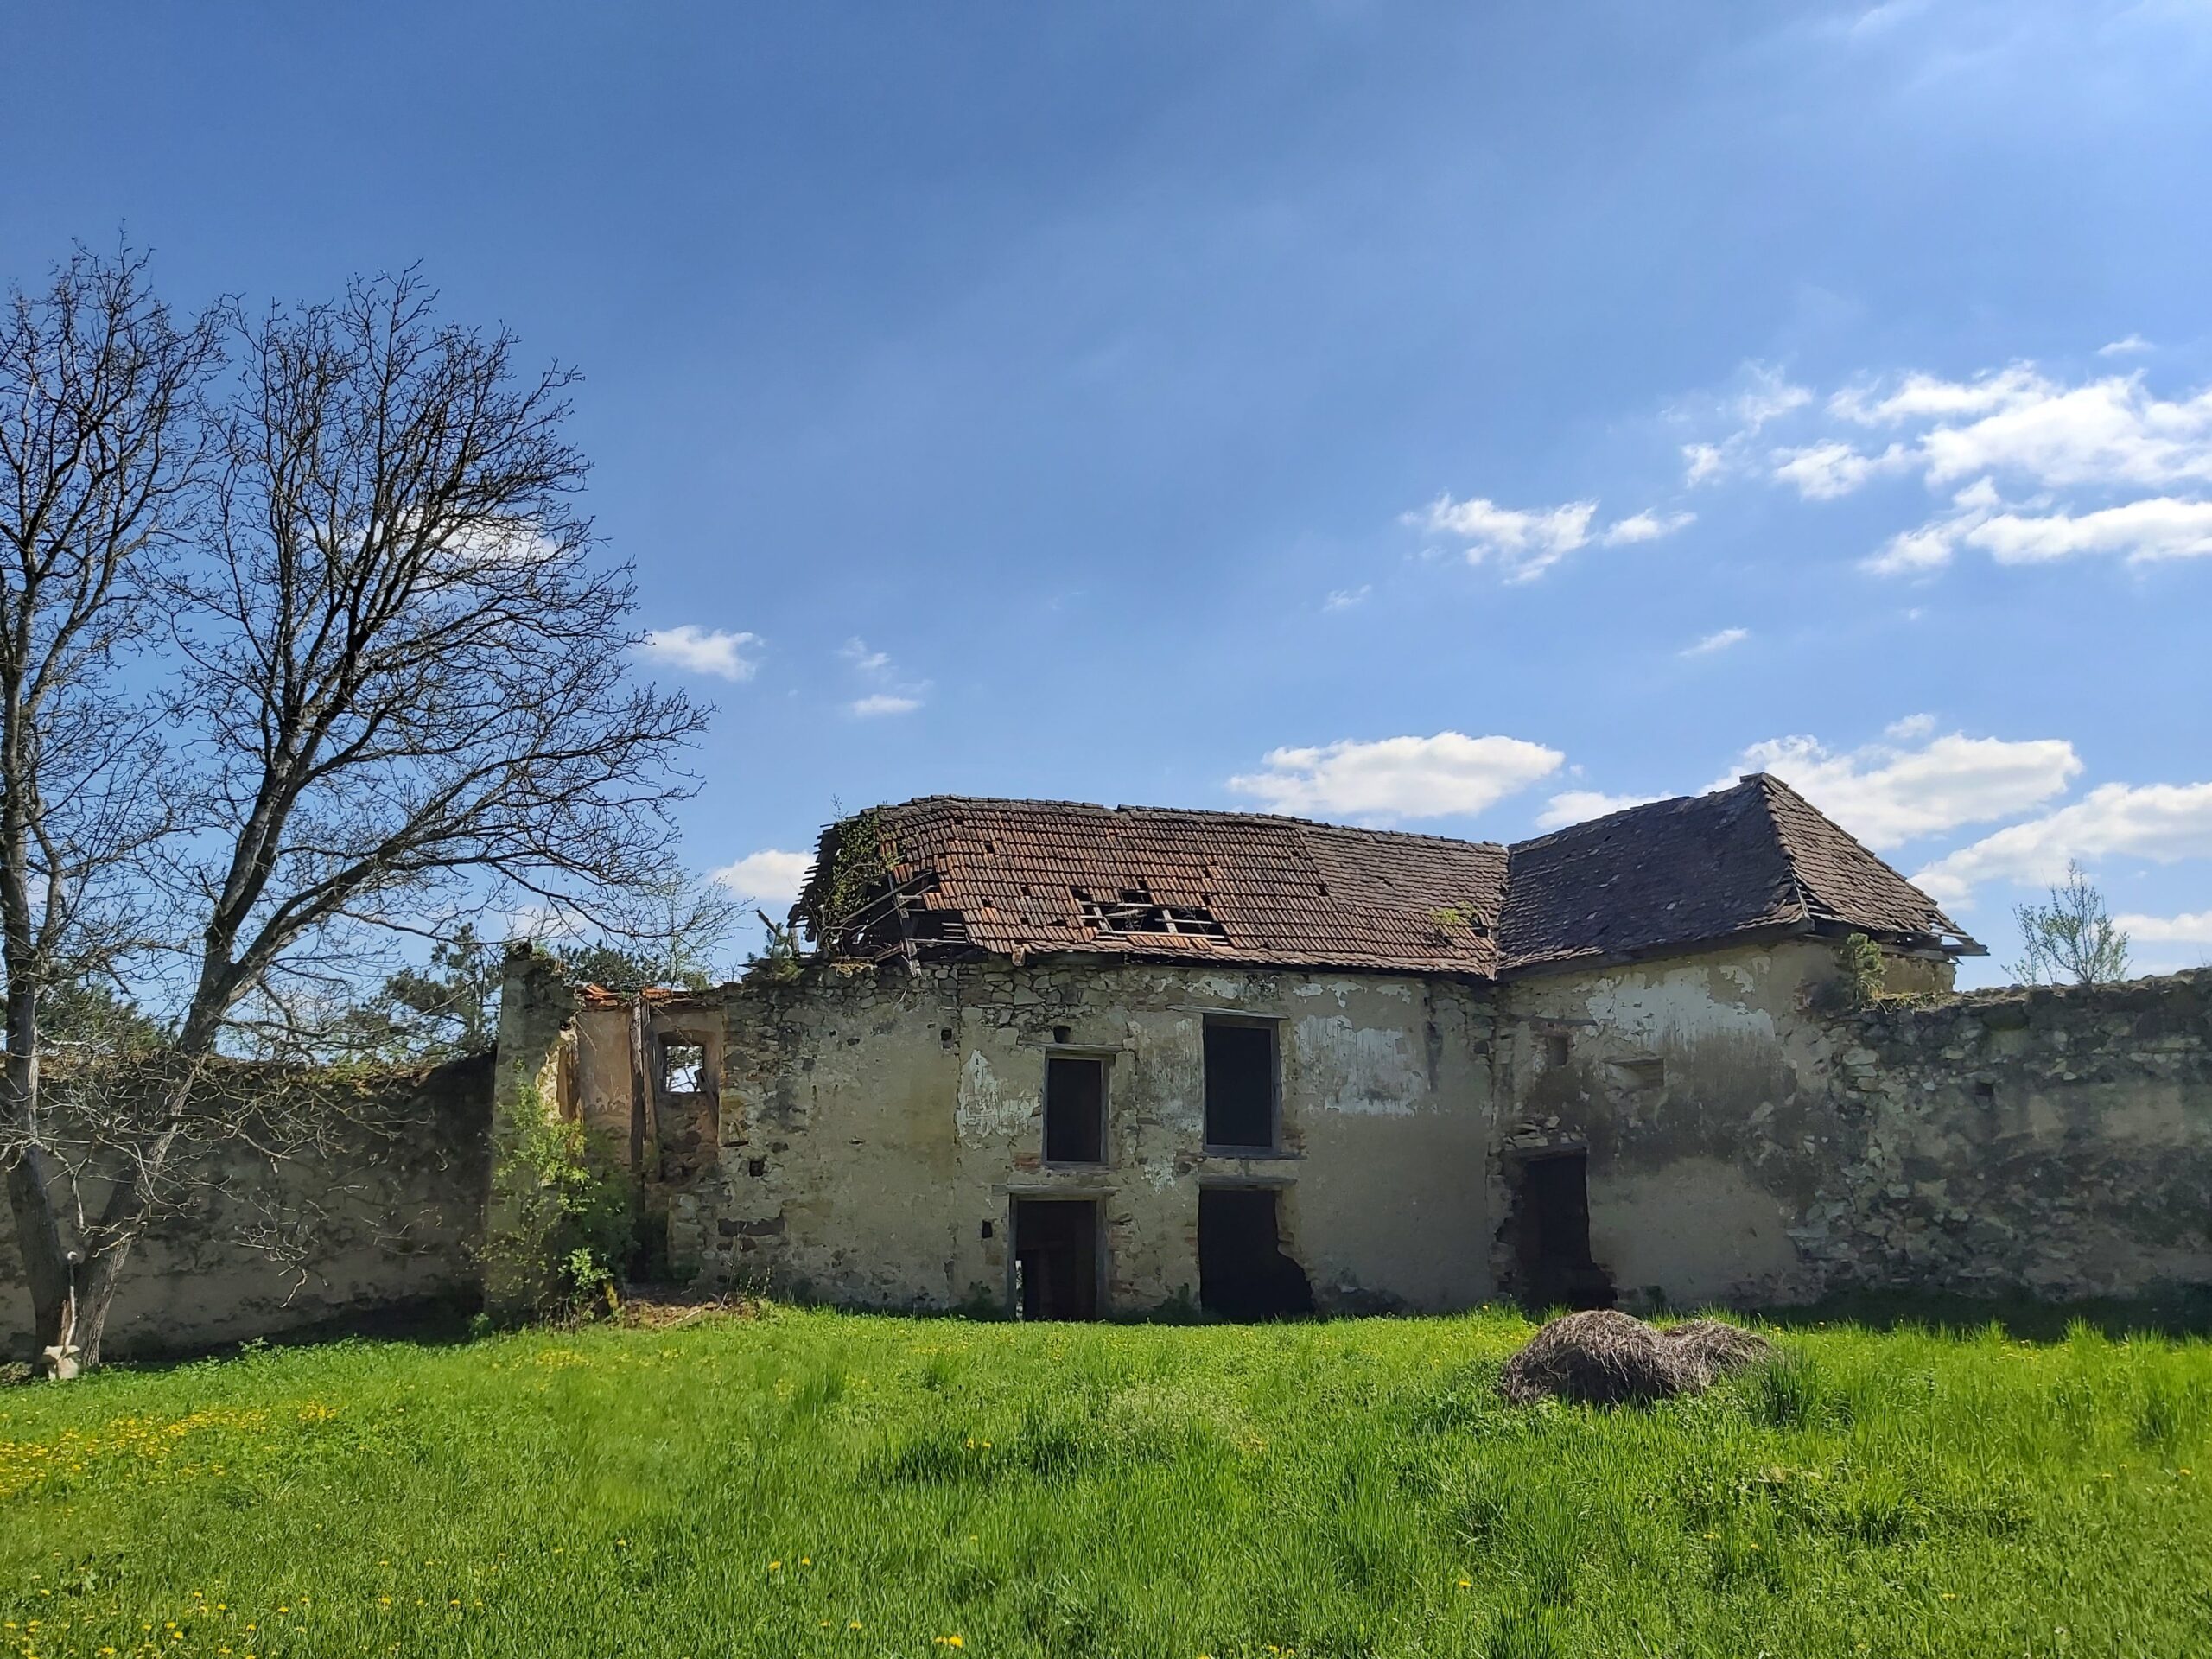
(1763, 783)
(1235, 814)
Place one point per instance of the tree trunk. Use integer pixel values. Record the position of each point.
(55, 1279)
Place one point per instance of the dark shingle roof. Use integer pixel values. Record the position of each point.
(1703, 868)
(1027, 878)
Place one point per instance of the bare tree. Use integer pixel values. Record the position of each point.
(99, 446)
(404, 688)
(678, 929)
(2072, 936)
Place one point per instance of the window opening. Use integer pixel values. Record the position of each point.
(1075, 1110)
(1243, 1272)
(1056, 1258)
(1555, 1049)
(1640, 1074)
(1240, 1084)
(682, 1066)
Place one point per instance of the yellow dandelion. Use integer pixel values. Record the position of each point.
(1466, 1584)
(855, 1625)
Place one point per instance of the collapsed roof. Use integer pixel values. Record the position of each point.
(953, 876)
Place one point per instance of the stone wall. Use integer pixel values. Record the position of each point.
(862, 1138)
(875, 1128)
(382, 1227)
(1745, 1142)
(2055, 1140)
(1746, 1146)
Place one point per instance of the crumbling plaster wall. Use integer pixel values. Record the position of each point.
(871, 1124)
(1749, 1145)
(383, 1222)
(2053, 1140)
(1694, 1084)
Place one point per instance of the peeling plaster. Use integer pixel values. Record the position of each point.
(985, 1110)
(1367, 1069)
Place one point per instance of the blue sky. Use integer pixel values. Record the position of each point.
(1456, 417)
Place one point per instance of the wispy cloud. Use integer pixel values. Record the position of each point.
(1719, 640)
(1763, 394)
(1394, 778)
(2038, 467)
(702, 651)
(876, 667)
(1344, 599)
(855, 651)
(2195, 929)
(1523, 542)
(883, 702)
(2162, 822)
(1646, 526)
(1892, 792)
(1581, 805)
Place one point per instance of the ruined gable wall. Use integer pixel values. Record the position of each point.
(1694, 1083)
(2053, 1142)
(890, 1115)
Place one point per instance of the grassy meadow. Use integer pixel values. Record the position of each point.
(813, 1483)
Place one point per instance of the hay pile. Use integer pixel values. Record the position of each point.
(1606, 1358)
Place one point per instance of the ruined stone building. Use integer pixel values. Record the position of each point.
(1101, 1062)
(1084, 1061)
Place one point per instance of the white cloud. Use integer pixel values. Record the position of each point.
(1823, 472)
(1344, 599)
(876, 667)
(2160, 821)
(1646, 526)
(2167, 930)
(1768, 395)
(856, 651)
(1398, 777)
(2104, 465)
(1889, 793)
(767, 877)
(884, 703)
(1911, 727)
(1581, 805)
(702, 651)
(1926, 548)
(1927, 397)
(1717, 641)
(1703, 462)
(2106, 433)
(2157, 527)
(1525, 542)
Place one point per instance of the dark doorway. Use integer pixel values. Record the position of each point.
(1075, 1110)
(1241, 1084)
(1242, 1271)
(1551, 1235)
(1056, 1258)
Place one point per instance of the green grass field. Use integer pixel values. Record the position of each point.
(817, 1484)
